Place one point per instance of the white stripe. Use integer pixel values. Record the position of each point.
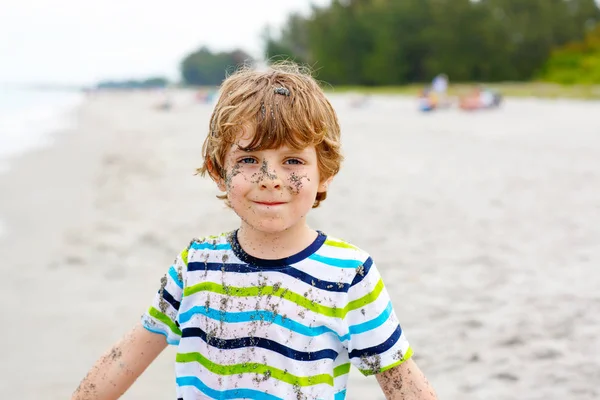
(374, 337)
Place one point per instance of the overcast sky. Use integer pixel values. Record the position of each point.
(81, 41)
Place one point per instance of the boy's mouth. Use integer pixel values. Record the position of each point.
(269, 203)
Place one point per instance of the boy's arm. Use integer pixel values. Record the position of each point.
(117, 369)
(405, 382)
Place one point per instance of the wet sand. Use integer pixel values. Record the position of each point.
(485, 226)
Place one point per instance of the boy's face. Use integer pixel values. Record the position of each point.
(271, 190)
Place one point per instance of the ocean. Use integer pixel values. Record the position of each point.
(28, 119)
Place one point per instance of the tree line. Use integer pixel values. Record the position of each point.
(391, 42)
(395, 42)
(576, 62)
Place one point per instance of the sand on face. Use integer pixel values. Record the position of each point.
(485, 226)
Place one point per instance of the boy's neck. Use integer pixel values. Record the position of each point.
(273, 246)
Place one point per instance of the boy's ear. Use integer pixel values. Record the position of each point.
(324, 185)
(215, 176)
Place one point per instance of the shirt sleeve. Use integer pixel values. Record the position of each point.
(377, 342)
(162, 316)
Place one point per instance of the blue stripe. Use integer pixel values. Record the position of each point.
(224, 394)
(294, 326)
(173, 342)
(340, 395)
(379, 349)
(175, 277)
(336, 262)
(169, 298)
(290, 271)
(238, 343)
(366, 268)
(210, 246)
(374, 323)
(267, 316)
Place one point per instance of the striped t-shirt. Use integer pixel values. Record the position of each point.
(248, 328)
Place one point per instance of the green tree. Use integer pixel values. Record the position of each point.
(203, 68)
(575, 63)
(383, 42)
(292, 43)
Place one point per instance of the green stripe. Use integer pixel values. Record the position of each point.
(286, 294)
(165, 320)
(406, 356)
(335, 243)
(184, 257)
(254, 368)
(366, 299)
(341, 370)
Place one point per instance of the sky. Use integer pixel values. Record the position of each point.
(77, 42)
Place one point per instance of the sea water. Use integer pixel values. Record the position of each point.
(28, 119)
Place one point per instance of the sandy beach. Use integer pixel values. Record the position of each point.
(485, 226)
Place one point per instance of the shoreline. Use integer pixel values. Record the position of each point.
(31, 120)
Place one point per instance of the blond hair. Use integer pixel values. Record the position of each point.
(285, 106)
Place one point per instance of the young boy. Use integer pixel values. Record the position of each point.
(274, 309)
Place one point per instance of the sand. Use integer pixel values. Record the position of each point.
(485, 226)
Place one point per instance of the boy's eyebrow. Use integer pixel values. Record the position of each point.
(237, 148)
(294, 151)
(285, 150)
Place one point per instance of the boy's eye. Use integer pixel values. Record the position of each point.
(293, 161)
(247, 160)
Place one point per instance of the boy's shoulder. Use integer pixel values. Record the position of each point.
(203, 246)
(212, 242)
(339, 248)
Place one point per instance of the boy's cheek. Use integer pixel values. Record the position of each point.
(297, 181)
(236, 180)
(231, 173)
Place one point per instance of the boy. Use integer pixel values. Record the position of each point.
(275, 309)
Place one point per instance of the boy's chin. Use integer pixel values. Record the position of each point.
(271, 227)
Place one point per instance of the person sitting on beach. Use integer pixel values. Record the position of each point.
(426, 101)
(473, 100)
(274, 309)
(480, 98)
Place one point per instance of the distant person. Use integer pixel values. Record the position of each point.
(425, 101)
(471, 101)
(205, 96)
(274, 309)
(439, 87)
(497, 98)
(486, 98)
(481, 98)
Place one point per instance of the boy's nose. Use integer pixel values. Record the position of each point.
(270, 178)
(271, 182)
